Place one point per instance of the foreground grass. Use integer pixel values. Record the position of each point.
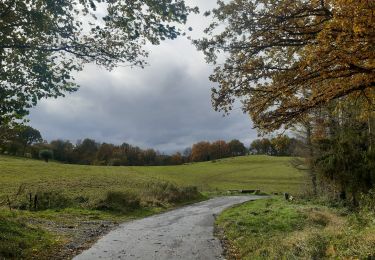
(19, 240)
(278, 229)
(82, 202)
(58, 234)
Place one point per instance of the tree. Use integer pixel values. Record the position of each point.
(17, 138)
(176, 159)
(236, 148)
(187, 154)
(288, 57)
(261, 146)
(280, 145)
(147, 157)
(85, 152)
(46, 155)
(343, 157)
(27, 136)
(62, 150)
(200, 152)
(105, 153)
(43, 42)
(7, 133)
(219, 149)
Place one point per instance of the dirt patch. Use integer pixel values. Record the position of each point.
(229, 251)
(76, 238)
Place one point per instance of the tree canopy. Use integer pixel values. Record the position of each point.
(43, 42)
(285, 58)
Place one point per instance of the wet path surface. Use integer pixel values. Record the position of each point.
(184, 233)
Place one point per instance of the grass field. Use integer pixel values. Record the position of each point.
(279, 229)
(269, 174)
(79, 200)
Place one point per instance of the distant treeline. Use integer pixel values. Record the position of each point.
(28, 142)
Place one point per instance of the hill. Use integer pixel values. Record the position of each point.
(270, 174)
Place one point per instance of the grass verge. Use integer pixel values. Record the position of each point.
(277, 229)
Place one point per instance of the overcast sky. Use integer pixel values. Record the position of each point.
(165, 106)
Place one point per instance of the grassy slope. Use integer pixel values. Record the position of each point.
(270, 174)
(277, 229)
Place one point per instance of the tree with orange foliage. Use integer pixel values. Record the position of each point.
(219, 149)
(288, 57)
(200, 152)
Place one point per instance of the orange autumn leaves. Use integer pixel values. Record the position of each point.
(289, 57)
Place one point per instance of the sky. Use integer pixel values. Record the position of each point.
(165, 106)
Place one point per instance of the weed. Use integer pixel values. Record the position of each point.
(167, 192)
(277, 229)
(120, 201)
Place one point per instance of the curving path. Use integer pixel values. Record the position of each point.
(184, 233)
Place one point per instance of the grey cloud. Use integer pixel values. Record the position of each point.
(165, 106)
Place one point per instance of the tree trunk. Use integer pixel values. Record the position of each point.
(370, 137)
(312, 172)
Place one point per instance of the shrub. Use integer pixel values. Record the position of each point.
(166, 192)
(46, 155)
(115, 162)
(51, 200)
(42, 200)
(119, 201)
(367, 201)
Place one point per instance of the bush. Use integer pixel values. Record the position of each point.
(115, 162)
(166, 192)
(119, 201)
(41, 200)
(367, 201)
(46, 155)
(52, 200)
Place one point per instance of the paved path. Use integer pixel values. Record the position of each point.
(184, 233)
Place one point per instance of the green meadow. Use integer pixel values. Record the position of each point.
(269, 174)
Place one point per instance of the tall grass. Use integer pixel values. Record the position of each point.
(278, 229)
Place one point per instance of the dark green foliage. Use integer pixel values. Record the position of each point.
(85, 151)
(237, 148)
(43, 42)
(51, 200)
(62, 150)
(120, 201)
(28, 135)
(346, 161)
(46, 155)
(115, 162)
(261, 146)
(18, 139)
(43, 200)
